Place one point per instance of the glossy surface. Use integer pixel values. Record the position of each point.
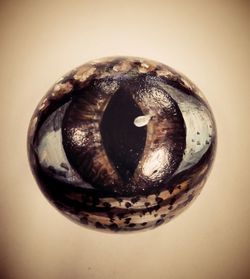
(122, 144)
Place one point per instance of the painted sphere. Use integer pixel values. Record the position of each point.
(122, 144)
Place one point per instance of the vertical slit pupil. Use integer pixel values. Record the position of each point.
(123, 141)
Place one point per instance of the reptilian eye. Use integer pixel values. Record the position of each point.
(122, 138)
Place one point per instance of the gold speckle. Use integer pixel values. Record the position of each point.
(146, 67)
(165, 73)
(57, 87)
(84, 72)
(186, 83)
(33, 124)
(142, 70)
(62, 88)
(122, 67)
(43, 104)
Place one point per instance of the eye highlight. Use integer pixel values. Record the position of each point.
(122, 144)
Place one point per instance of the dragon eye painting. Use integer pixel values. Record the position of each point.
(122, 144)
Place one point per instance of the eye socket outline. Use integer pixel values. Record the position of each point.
(64, 98)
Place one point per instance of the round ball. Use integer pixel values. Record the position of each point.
(122, 144)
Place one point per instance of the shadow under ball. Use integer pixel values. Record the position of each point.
(122, 144)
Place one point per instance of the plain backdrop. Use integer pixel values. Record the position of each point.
(208, 41)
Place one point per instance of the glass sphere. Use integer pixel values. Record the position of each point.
(122, 144)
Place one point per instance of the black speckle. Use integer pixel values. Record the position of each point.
(132, 225)
(189, 199)
(111, 216)
(127, 220)
(106, 204)
(172, 201)
(157, 207)
(163, 215)
(128, 204)
(147, 204)
(84, 220)
(193, 140)
(198, 133)
(207, 142)
(155, 215)
(119, 200)
(158, 199)
(159, 222)
(187, 189)
(198, 143)
(114, 227)
(151, 209)
(135, 199)
(171, 190)
(170, 207)
(120, 215)
(63, 165)
(144, 223)
(98, 225)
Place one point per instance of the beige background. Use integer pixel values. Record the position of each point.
(206, 40)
